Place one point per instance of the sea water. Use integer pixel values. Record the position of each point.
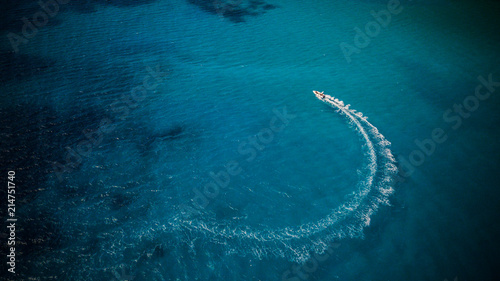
(181, 140)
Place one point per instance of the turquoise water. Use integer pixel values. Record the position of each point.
(117, 115)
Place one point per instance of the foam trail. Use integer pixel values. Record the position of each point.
(348, 220)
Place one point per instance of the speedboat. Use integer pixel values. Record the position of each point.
(319, 94)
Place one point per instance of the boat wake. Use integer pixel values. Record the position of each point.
(296, 243)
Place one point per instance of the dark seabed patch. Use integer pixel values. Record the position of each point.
(14, 11)
(236, 10)
(432, 82)
(35, 136)
(20, 66)
(28, 7)
(93, 5)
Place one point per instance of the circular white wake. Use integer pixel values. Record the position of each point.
(347, 220)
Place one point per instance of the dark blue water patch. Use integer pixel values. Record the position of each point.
(13, 22)
(236, 11)
(122, 204)
(104, 87)
(159, 253)
(33, 137)
(19, 67)
(225, 212)
(172, 133)
(121, 200)
(96, 80)
(150, 141)
(35, 142)
(39, 232)
(432, 84)
(136, 45)
(13, 12)
(38, 235)
(105, 76)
